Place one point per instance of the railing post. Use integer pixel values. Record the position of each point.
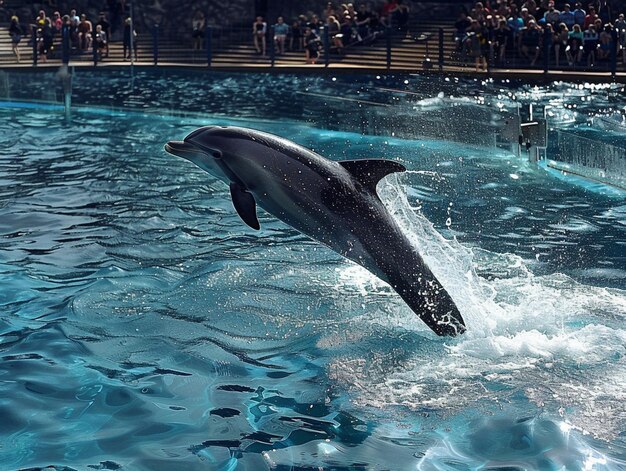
(326, 39)
(34, 33)
(441, 38)
(388, 36)
(94, 47)
(272, 47)
(65, 44)
(155, 44)
(613, 58)
(547, 43)
(209, 49)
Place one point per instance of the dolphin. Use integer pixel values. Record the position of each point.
(333, 202)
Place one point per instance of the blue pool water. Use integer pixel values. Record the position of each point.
(144, 326)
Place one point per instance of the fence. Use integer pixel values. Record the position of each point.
(386, 48)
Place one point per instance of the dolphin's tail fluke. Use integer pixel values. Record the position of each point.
(429, 300)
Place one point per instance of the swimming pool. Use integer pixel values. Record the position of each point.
(144, 326)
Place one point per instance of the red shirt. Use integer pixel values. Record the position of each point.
(387, 7)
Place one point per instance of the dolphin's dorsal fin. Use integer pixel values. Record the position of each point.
(244, 204)
(370, 171)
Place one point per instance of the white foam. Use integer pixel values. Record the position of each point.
(537, 334)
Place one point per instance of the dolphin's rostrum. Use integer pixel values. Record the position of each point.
(333, 202)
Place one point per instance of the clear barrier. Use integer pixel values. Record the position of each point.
(590, 158)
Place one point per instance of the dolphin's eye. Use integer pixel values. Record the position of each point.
(217, 154)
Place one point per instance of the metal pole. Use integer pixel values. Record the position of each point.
(132, 38)
(547, 43)
(613, 58)
(272, 47)
(34, 33)
(155, 44)
(209, 45)
(441, 49)
(388, 36)
(94, 47)
(65, 44)
(326, 38)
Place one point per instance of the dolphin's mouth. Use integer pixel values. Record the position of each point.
(181, 149)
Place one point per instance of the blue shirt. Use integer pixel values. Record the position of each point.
(579, 16)
(281, 28)
(569, 18)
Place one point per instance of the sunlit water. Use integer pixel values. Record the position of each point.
(144, 326)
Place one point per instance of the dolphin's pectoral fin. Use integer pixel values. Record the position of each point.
(244, 204)
(370, 171)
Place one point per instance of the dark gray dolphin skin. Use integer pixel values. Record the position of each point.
(332, 202)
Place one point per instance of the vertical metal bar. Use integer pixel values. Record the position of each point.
(441, 33)
(326, 38)
(65, 44)
(547, 43)
(94, 47)
(272, 47)
(34, 33)
(132, 38)
(613, 58)
(209, 45)
(155, 44)
(388, 36)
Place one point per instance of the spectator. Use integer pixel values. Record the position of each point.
(129, 40)
(552, 15)
(280, 34)
(385, 14)
(197, 33)
(45, 37)
(567, 17)
(57, 22)
(531, 37)
(477, 41)
(84, 33)
(590, 44)
(16, 33)
(479, 13)
(502, 36)
(295, 39)
(561, 38)
(516, 24)
(259, 31)
(574, 49)
(334, 33)
(363, 20)
(591, 18)
(311, 46)
(101, 40)
(400, 16)
(579, 15)
(605, 43)
(530, 6)
(461, 26)
(106, 28)
(315, 24)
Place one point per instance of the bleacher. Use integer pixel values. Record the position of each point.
(233, 48)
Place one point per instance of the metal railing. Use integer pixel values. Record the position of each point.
(388, 49)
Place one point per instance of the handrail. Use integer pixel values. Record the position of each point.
(390, 49)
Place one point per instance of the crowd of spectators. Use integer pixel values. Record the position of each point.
(557, 32)
(45, 33)
(347, 26)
